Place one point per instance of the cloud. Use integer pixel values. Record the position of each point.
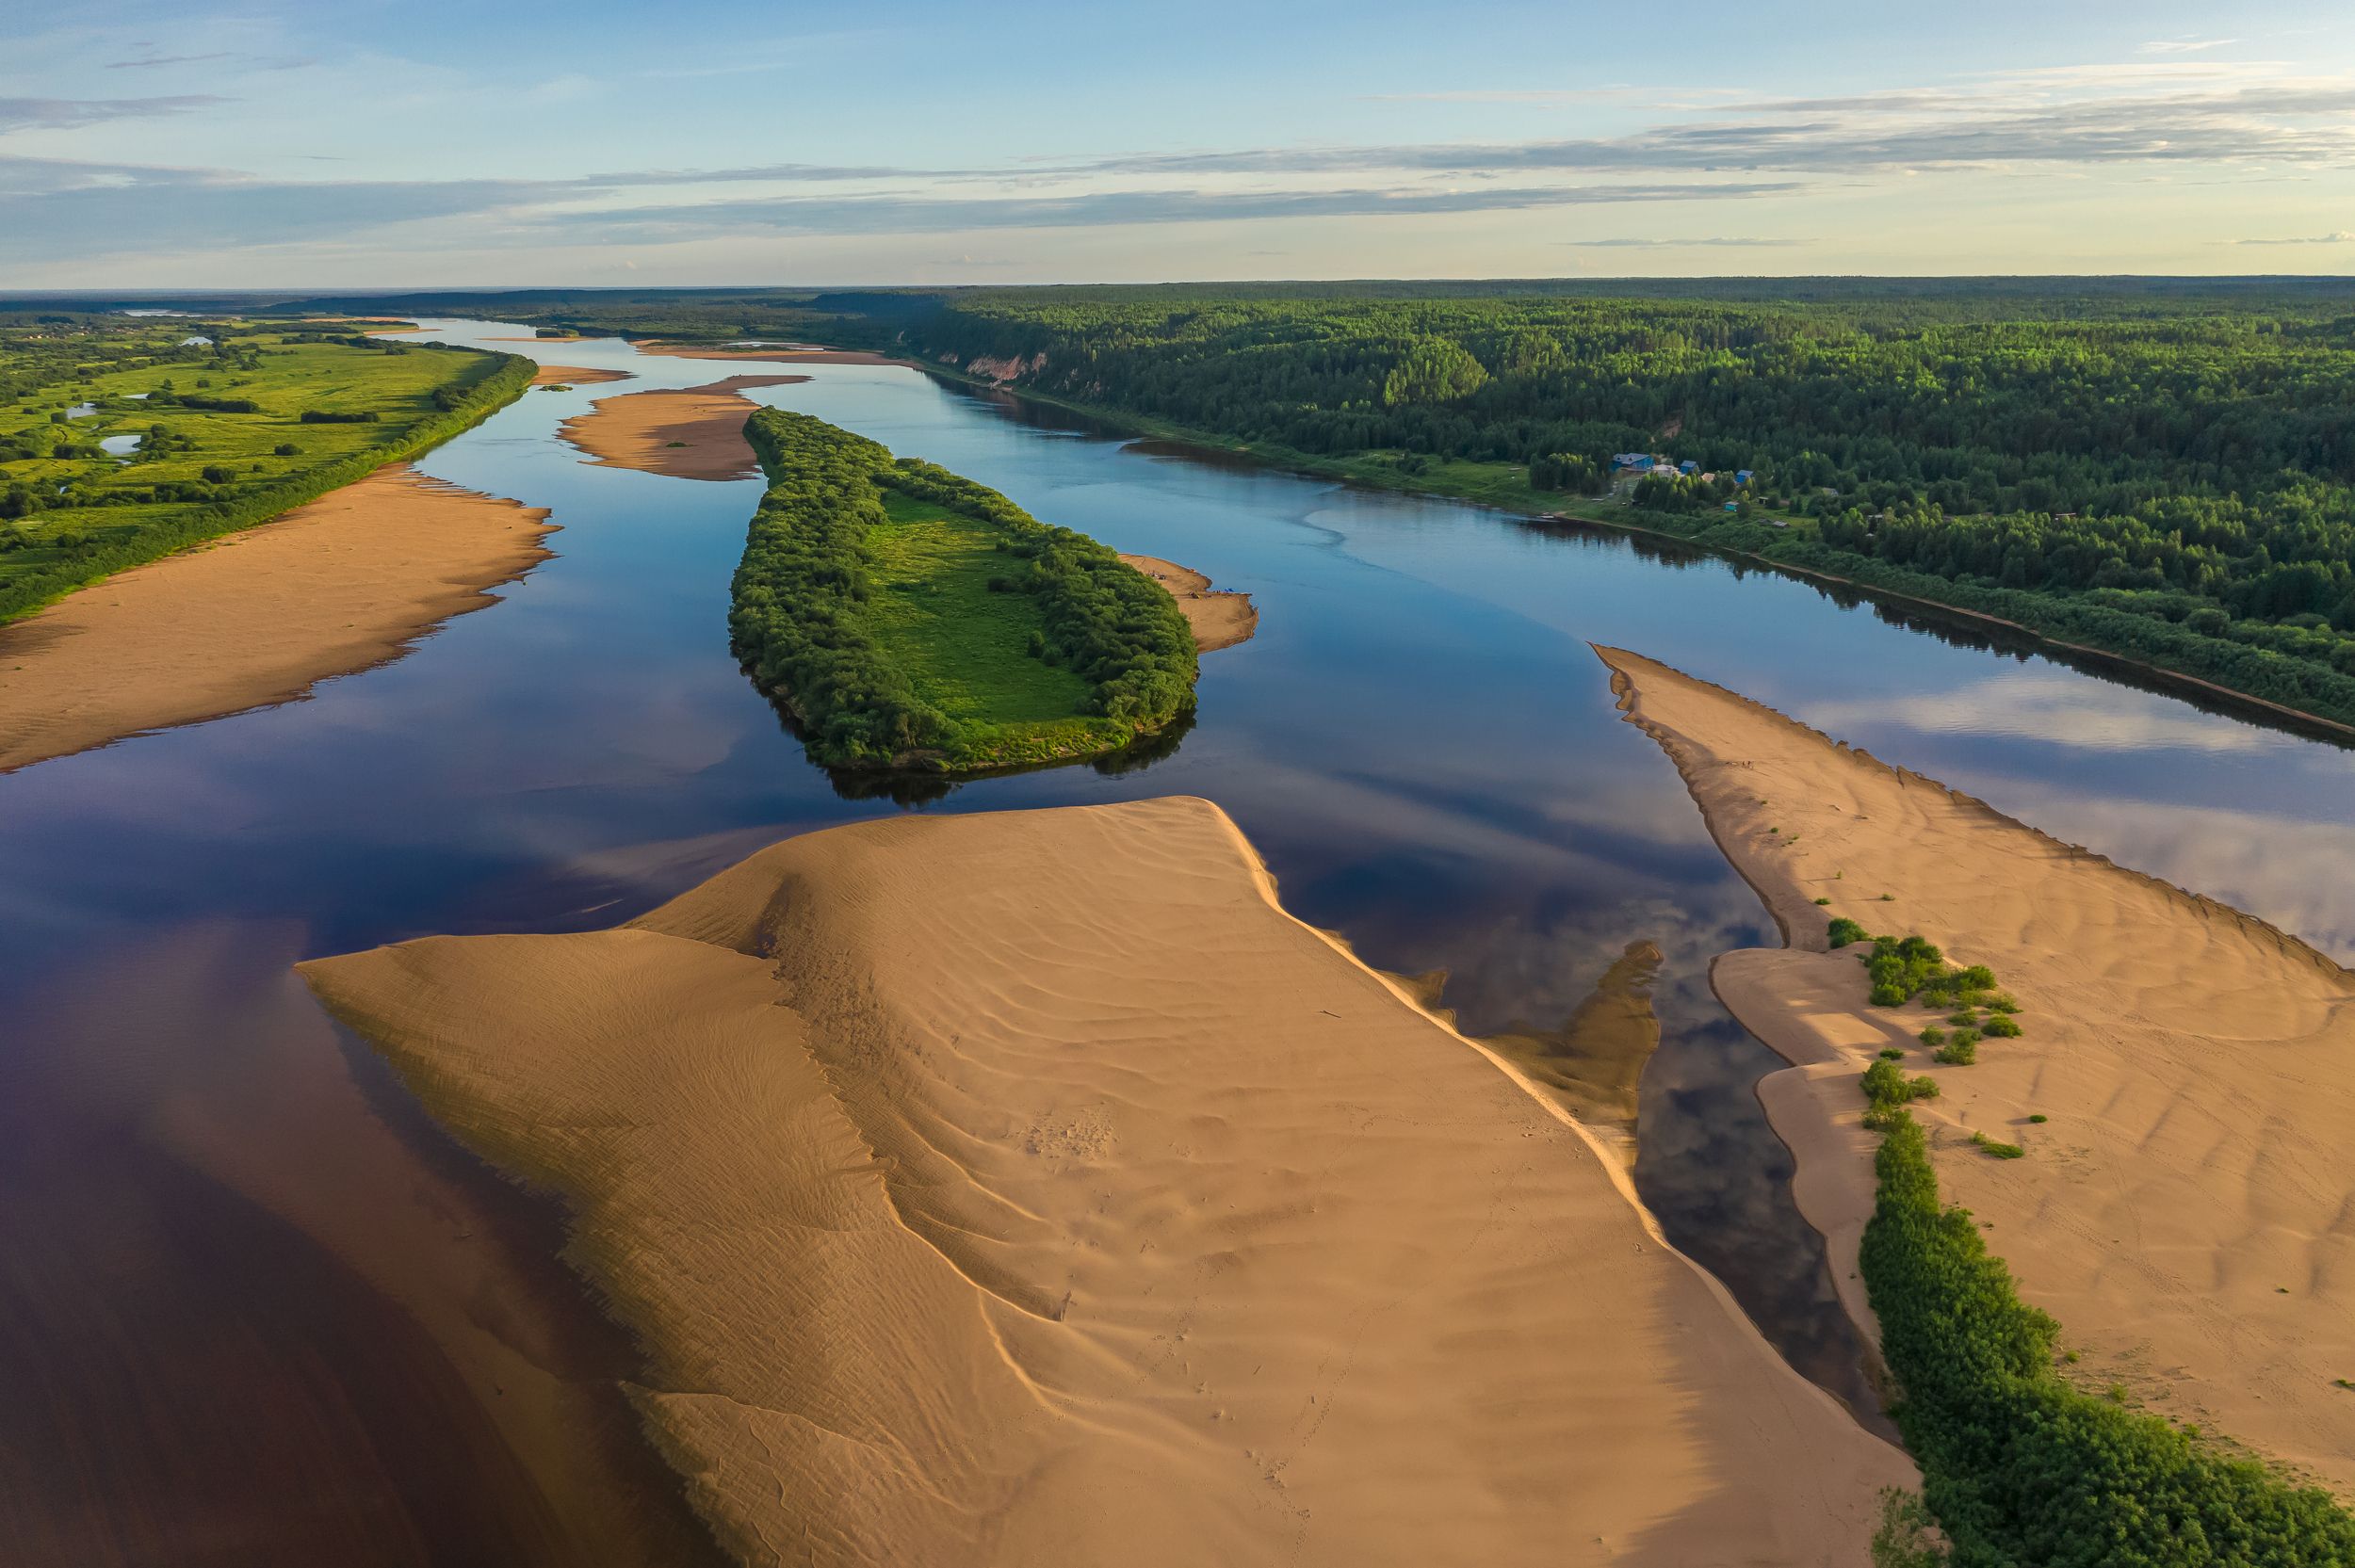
(2060, 710)
(2071, 117)
(153, 60)
(2340, 236)
(1725, 240)
(51, 209)
(871, 215)
(2185, 45)
(56, 114)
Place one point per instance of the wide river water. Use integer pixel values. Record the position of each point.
(219, 1206)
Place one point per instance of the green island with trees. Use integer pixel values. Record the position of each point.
(910, 620)
(124, 438)
(2158, 470)
(2018, 1464)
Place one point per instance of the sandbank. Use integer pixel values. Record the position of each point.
(1030, 1188)
(259, 616)
(2185, 1211)
(1220, 617)
(804, 356)
(689, 433)
(576, 375)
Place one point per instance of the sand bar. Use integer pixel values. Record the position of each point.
(2185, 1211)
(798, 355)
(260, 616)
(1029, 1187)
(689, 433)
(576, 375)
(1220, 617)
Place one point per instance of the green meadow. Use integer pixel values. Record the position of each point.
(121, 445)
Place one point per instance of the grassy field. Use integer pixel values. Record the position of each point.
(966, 648)
(110, 455)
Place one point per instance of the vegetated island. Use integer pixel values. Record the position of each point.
(1029, 1188)
(910, 620)
(258, 616)
(122, 440)
(694, 432)
(2145, 1116)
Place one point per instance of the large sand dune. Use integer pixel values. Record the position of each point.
(260, 616)
(2188, 1211)
(1030, 1188)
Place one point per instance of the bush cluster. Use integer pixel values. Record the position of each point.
(2018, 1465)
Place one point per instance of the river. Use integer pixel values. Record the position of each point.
(236, 1257)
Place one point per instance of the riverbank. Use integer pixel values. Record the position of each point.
(259, 616)
(695, 432)
(1220, 617)
(2181, 1092)
(1505, 487)
(1054, 1248)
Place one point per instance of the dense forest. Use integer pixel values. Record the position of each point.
(2179, 467)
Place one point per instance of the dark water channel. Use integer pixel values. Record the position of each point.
(213, 1197)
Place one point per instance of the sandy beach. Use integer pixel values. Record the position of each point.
(1028, 1187)
(2183, 1212)
(576, 375)
(1220, 617)
(689, 433)
(258, 616)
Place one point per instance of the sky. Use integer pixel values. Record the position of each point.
(372, 145)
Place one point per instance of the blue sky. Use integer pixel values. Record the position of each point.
(366, 144)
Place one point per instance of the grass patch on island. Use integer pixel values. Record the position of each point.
(968, 649)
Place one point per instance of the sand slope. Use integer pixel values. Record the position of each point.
(692, 433)
(259, 616)
(2188, 1212)
(1220, 617)
(1029, 1188)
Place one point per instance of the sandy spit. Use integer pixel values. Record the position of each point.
(803, 356)
(2185, 1212)
(689, 433)
(260, 616)
(1029, 1187)
(1220, 617)
(576, 375)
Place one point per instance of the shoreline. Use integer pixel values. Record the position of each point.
(989, 1189)
(2178, 1221)
(1220, 617)
(258, 616)
(2170, 682)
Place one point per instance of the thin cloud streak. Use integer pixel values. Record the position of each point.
(65, 114)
